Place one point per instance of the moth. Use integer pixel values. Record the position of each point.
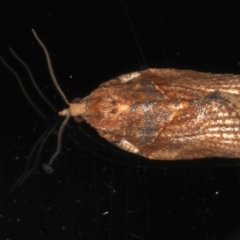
(162, 114)
(167, 114)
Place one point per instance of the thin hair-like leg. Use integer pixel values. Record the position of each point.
(28, 161)
(33, 80)
(38, 156)
(23, 89)
(26, 173)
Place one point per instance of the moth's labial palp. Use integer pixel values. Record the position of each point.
(78, 118)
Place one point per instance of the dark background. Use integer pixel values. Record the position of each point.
(98, 191)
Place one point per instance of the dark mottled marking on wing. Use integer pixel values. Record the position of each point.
(226, 97)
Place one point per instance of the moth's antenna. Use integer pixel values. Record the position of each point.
(59, 140)
(67, 113)
(50, 67)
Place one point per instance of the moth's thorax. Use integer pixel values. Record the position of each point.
(126, 109)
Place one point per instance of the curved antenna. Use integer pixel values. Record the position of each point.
(33, 80)
(67, 112)
(50, 67)
(22, 88)
(59, 140)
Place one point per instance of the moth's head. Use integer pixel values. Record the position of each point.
(77, 109)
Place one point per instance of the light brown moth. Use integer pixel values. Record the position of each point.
(167, 114)
(163, 114)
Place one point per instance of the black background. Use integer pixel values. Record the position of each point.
(98, 191)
